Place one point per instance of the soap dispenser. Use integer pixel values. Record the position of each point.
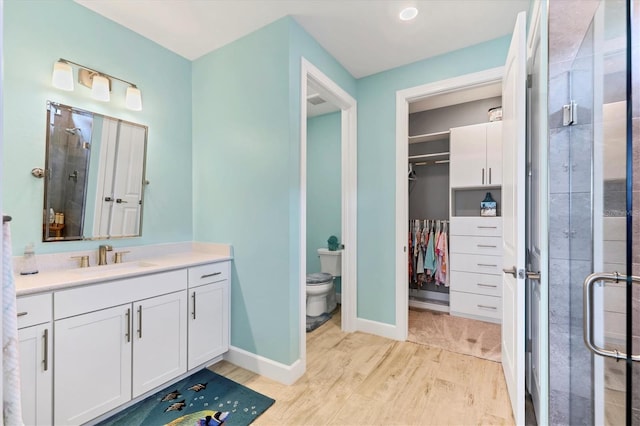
(29, 265)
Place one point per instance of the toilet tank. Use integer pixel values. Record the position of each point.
(330, 261)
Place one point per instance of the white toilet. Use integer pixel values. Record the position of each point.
(321, 295)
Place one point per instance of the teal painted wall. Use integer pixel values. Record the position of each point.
(377, 168)
(246, 168)
(323, 185)
(36, 34)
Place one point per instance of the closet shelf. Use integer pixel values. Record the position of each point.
(414, 158)
(429, 137)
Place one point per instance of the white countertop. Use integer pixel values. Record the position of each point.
(57, 279)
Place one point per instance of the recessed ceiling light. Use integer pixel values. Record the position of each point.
(408, 13)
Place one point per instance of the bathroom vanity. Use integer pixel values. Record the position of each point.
(93, 339)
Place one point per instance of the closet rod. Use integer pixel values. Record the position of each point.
(435, 154)
(430, 163)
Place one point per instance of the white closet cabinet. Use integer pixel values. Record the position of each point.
(208, 312)
(476, 268)
(35, 345)
(115, 341)
(476, 155)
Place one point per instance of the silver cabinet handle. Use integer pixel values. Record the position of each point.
(193, 297)
(483, 175)
(210, 275)
(128, 333)
(45, 359)
(493, 308)
(140, 322)
(21, 314)
(587, 317)
(489, 175)
(487, 227)
(487, 285)
(487, 265)
(486, 246)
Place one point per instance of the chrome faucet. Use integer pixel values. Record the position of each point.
(102, 254)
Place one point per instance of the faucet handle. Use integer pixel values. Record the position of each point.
(84, 260)
(118, 256)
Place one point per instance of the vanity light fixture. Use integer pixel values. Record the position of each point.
(408, 13)
(97, 81)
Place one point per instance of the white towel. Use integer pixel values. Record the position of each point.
(11, 404)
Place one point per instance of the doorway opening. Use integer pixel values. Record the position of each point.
(327, 91)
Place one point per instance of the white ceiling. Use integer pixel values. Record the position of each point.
(365, 36)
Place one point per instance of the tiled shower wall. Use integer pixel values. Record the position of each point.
(570, 212)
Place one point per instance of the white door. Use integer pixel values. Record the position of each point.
(513, 211)
(127, 181)
(160, 340)
(35, 374)
(208, 314)
(92, 364)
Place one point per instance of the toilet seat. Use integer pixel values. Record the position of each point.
(318, 278)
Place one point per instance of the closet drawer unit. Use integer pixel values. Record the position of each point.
(477, 263)
(476, 306)
(207, 274)
(32, 310)
(491, 246)
(468, 282)
(478, 226)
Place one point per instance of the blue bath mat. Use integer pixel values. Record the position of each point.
(315, 322)
(192, 399)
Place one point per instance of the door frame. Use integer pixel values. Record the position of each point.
(403, 98)
(349, 141)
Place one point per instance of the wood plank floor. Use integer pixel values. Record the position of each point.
(361, 379)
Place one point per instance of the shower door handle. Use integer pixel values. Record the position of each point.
(587, 315)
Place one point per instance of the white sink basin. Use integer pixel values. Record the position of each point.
(114, 268)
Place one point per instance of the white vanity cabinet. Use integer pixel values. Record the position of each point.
(476, 155)
(117, 340)
(208, 312)
(35, 345)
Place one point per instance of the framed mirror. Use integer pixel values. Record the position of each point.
(94, 176)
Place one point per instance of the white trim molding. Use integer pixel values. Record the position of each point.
(381, 329)
(349, 163)
(286, 374)
(403, 98)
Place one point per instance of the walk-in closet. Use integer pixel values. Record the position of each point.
(455, 229)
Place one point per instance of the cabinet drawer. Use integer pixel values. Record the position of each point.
(32, 310)
(491, 246)
(468, 282)
(476, 306)
(477, 263)
(207, 274)
(479, 226)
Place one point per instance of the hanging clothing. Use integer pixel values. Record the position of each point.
(430, 256)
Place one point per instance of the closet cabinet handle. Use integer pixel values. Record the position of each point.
(483, 175)
(487, 264)
(489, 175)
(493, 308)
(487, 227)
(487, 285)
(486, 246)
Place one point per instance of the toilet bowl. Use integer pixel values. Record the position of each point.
(319, 285)
(321, 295)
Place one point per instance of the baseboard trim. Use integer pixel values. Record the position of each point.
(286, 374)
(380, 329)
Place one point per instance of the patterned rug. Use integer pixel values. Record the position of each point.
(204, 399)
(455, 334)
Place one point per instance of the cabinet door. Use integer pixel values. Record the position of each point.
(35, 374)
(92, 364)
(467, 146)
(208, 322)
(160, 340)
(494, 153)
